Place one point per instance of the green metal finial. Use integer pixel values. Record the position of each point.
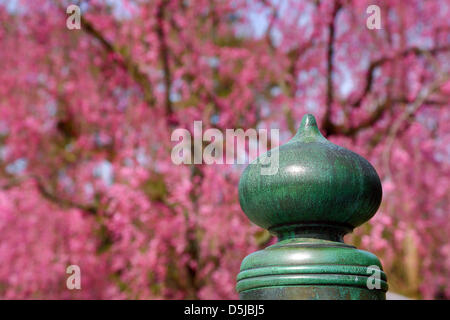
(320, 192)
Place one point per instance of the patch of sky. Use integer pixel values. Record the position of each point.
(275, 91)
(160, 87)
(259, 20)
(213, 62)
(89, 189)
(66, 181)
(104, 171)
(174, 94)
(12, 6)
(311, 105)
(345, 83)
(52, 108)
(84, 5)
(120, 10)
(141, 157)
(17, 167)
(215, 119)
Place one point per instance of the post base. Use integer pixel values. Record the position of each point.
(309, 268)
(312, 293)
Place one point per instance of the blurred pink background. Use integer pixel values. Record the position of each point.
(86, 117)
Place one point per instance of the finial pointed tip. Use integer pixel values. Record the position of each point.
(308, 127)
(308, 121)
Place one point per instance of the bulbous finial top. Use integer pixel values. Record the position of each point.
(320, 190)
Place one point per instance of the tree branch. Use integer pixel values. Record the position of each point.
(409, 112)
(164, 55)
(326, 124)
(48, 195)
(62, 202)
(351, 131)
(124, 60)
(370, 73)
(272, 20)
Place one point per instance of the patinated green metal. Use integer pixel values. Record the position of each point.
(320, 192)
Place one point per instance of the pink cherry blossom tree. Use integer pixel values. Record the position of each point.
(86, 117)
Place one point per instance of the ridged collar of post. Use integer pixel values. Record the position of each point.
(319, 193)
